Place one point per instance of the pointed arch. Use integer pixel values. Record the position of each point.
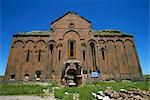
(18, 44)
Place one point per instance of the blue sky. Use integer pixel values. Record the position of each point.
(130, 16)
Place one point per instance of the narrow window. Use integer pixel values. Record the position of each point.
(28, 53)
(59, 55)
(83, 55)
(39, 55)
(71, 48)
(93, 55)
(103, 55)
(51, 48)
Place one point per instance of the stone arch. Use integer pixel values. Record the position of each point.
(51, 42)
(101, 41)
(40, 44)
(18, 44)
(119, 40)
(16, 57)
(29, 45)
(112, 60)
(91, 40)
(128, 40)
(92, 50)
(122, 60)
(71, 31)
(51, 56)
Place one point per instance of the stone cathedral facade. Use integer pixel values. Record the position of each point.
(72, 52)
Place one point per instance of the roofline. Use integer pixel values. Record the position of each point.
(68, 13)
(24, 35)
(114, 35)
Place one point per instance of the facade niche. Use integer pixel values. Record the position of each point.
(103, 54)
(51, 47)
(28, 55)
(39, 58)
(71, 48)
(93, 56)
(37, 74)
(59, 57)
(26, 77)
(83, 55)
(12, 77)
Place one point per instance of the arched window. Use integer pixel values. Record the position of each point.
(39, 55)
(93, 56)
(83, 55)
(103, 54)
(28, 55)
(59, 56)
(71, 48)
(51, 47)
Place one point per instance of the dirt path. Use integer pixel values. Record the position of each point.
(26, 98)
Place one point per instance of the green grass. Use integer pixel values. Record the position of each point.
(84, 91)
(21, 89)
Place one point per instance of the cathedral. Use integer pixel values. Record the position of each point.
(71, 51)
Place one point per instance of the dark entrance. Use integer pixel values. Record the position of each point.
(71, 73)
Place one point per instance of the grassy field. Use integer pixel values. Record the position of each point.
(84, 91)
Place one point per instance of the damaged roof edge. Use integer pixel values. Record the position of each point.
(109, 32)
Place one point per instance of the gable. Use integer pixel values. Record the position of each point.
(71, 20)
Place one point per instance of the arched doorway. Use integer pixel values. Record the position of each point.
(71, 73)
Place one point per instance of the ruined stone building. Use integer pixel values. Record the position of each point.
(72, 51)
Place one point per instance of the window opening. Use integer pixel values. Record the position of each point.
(28, 53)
(71, 48)
(83, 55)
(37, 75)
(51, 48)
(103, 54)
(93, 56)
(39, 55)
(12, 77)
(59, 55)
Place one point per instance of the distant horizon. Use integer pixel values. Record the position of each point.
(128, 16)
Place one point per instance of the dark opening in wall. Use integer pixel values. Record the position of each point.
(28, 54)
(85, 72)
(38, 73)
(71, 48)
(39, 55)
(103, 54)
(26, 77)
(83, 55)
(12, 77)
(51, 47)
(93, 56)
(59, 55)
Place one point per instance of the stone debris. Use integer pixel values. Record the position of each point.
(75, 95)
(122, 94)
(46, 91)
